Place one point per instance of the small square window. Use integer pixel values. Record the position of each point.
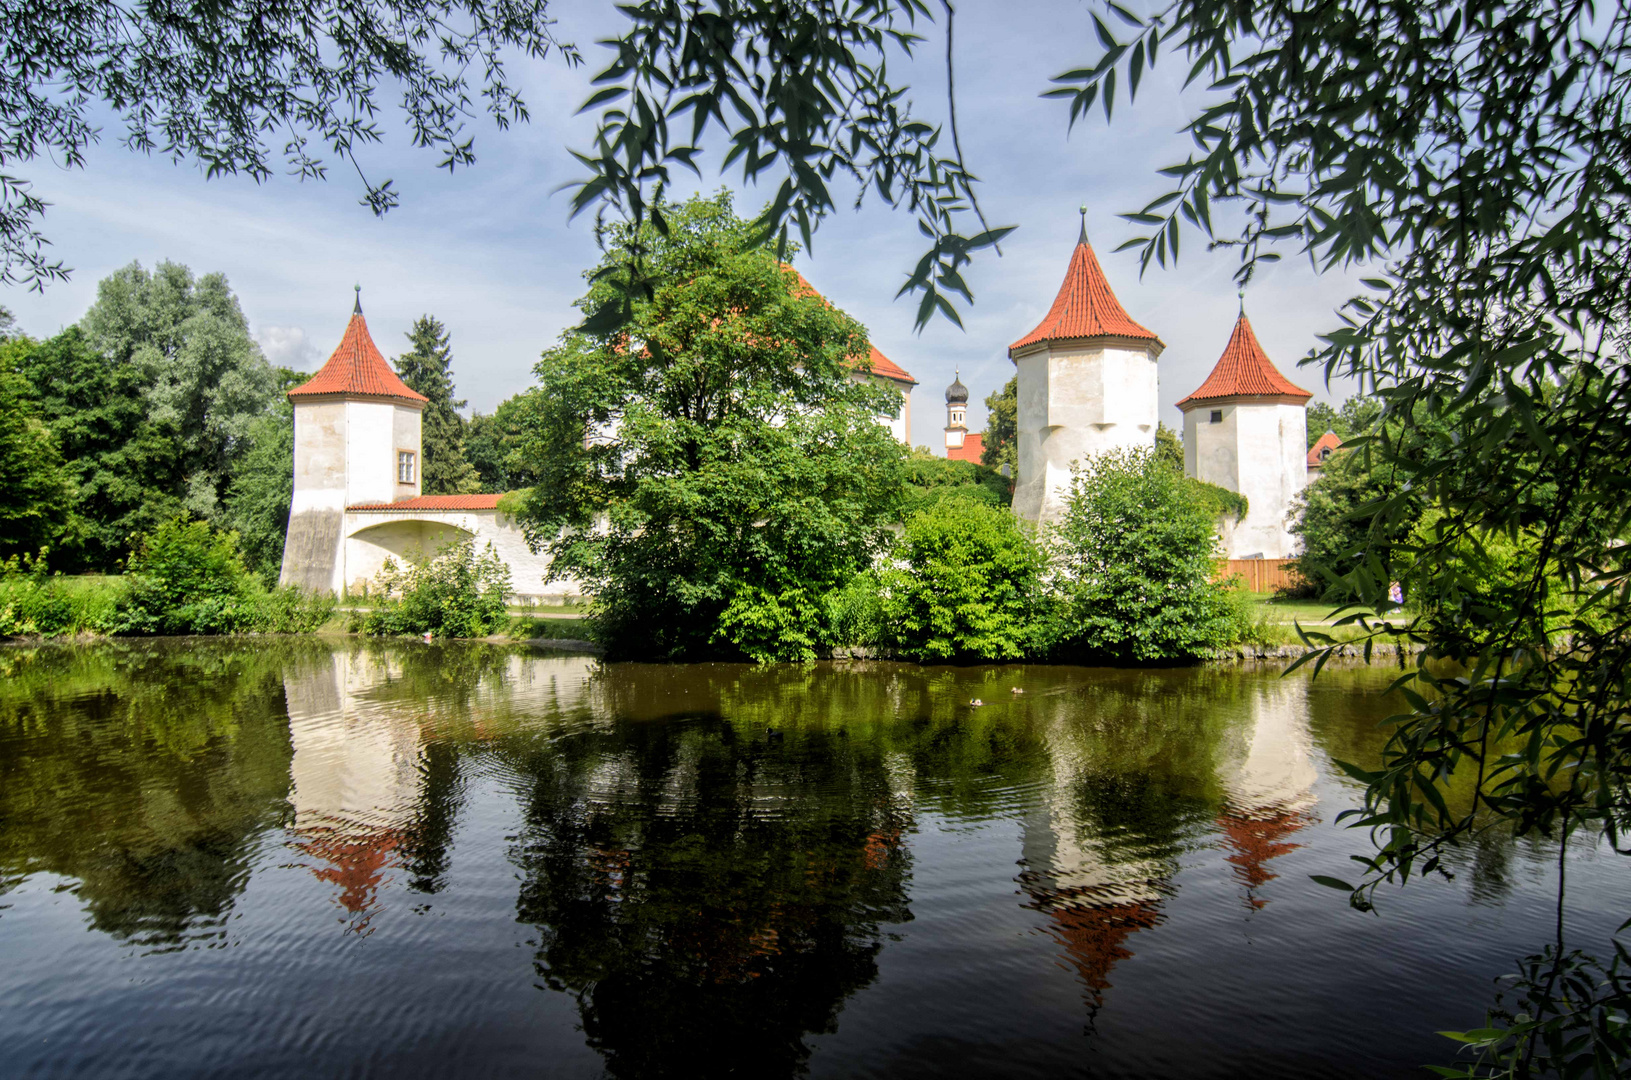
(1217, 416)
(404, 466)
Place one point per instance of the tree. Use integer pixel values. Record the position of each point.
(970, 589)
(1133, 559)
(231, 89)
(1169, 448)
(125, 464)
(36, 494)
(1355, 417)
(493, 444)
(1334, 533)
(201, 372)
(428, 368)
(931, 478)
(713, 473)
(262, 489)
(1001, 446)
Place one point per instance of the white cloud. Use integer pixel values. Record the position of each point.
(288, 346)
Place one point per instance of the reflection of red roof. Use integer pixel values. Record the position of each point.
(1244, 370)
(1085, 307)
(1327, 445)
(973, 444)
(357, 368)
(1256, 840)
(882, 366)
(432, 502)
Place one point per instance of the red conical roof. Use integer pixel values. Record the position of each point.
(1085, 306)
(357, 368)
(1245, 370)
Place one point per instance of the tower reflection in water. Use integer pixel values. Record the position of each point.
(1269, 787)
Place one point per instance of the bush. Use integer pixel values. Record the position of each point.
(788, 625)
(1132, 563)
(930, 479)
(969, 587)
(856, 612)
(33, 602)
(186, 578)
(458, 593)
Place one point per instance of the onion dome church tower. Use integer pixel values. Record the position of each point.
(356, 441)
(961, 444)
(1087, 384)
(1246, 429)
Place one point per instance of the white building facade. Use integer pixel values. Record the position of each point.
(1087, 385)
(357, 484)
(1246, 429)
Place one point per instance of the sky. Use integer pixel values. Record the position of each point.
(491, 252)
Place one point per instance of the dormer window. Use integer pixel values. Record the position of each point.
(405, 464)
(1325, 453)
(1217, 416)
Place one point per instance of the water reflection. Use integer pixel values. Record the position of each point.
(703, 864)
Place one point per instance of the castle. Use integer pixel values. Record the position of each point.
(1088, 384)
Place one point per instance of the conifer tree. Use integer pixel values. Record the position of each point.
(428, 368)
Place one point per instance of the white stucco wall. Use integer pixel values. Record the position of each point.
(1260, 449)
(1077, 399)
(899, 425)
(374, 536)
(376, 430)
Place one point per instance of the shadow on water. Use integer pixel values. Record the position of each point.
(705, 863)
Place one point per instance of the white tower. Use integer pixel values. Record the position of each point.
(1087, 384)
(356, 441)
(956, 413)
(1246, 429)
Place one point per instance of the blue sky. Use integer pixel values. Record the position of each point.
(491, 253)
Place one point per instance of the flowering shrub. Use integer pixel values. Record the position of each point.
(460, 592)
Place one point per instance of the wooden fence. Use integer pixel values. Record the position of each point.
(1261, 575)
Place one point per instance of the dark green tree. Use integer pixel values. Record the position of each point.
(36, 494)
(428, 368)
(712, 473)
(262, 488)
(234, 89)
(125, 465)
(1001, 445)
(200, 371)
(493, 445)
(1168, 447)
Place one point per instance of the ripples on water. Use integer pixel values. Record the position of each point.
(303, 858)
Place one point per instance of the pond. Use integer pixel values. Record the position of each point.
(305, 857)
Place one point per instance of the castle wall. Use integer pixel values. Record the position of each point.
(1075, 401)
(374, 536)
(312, 550)
(1259, 450)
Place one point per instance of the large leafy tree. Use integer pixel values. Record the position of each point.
(493, 444)
(712, 472)
(428, 368)
(124, 463)
(188, 343)
(36, 493)
(234, 89)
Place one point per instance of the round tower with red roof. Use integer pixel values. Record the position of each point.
(1246, 429)
(1087, 384)
(356, 441)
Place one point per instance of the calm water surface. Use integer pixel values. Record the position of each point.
(288, 857)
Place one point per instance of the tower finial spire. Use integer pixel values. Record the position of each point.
(356, 308)
(1082, 239)
(1241, 293)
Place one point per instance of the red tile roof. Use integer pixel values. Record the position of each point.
(356, 368)
(1085, 307)
(972, 446)
(432, 502)
(1244, 370)
(882, 366)
(1318, 452)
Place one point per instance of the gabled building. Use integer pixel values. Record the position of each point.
(1087, 384)
(1321, 452)
(1245, 429)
